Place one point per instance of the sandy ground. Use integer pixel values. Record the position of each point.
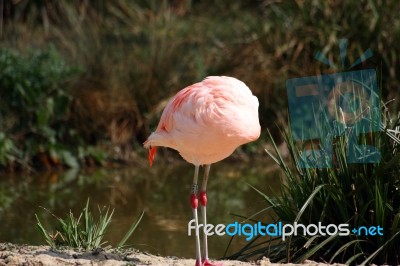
(11, 254)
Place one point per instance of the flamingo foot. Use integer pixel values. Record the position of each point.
(198, 263)
(206, 262)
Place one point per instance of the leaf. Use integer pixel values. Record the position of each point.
(308, 201)
(44, 233)
(69, 159)
(312, 251)
(344, 247)
(379, 249)
(130, 231)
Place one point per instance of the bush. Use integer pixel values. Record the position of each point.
(34, 106)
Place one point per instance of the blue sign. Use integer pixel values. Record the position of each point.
(324, 107)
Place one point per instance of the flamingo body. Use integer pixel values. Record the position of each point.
(207, 121)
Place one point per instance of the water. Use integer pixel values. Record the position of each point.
(162, 192)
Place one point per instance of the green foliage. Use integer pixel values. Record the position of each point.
(8, 151)
(355, 194)
(35, 102)
(83, 231)
(156, 48)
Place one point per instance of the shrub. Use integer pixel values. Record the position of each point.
(34, 107)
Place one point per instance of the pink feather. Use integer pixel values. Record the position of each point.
(207, 121)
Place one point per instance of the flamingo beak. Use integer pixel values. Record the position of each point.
(152, 154)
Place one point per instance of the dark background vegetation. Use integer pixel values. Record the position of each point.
(79, 78)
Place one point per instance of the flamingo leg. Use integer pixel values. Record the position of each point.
(203, 207)
(194, 204)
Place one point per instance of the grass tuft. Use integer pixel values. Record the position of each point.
(84, 231)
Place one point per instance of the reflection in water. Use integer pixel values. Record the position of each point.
(162, 192)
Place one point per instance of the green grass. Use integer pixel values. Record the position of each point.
(83, 231)
(355, 194)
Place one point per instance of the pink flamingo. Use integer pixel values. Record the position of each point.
(205, 123)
